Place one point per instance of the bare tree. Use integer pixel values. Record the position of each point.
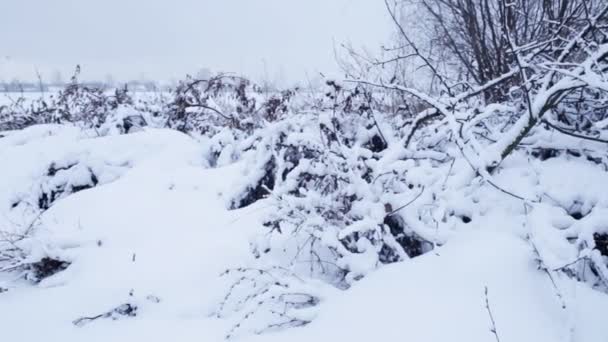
(542, 61)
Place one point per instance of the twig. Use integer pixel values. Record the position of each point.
(405, 205)
(576, 135)
(417, 52)
(542, 264)
(492, 321)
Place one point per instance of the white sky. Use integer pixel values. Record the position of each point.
(165, 39)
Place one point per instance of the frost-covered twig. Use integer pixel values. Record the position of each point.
(541, 263)
(491, 316)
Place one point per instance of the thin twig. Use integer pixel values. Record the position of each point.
(492, 321)
(576, 135)
(405, 205)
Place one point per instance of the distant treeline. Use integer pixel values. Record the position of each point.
(36, 87)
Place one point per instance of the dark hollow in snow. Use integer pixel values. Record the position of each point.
(134, 122)
(45, 268)
(601, 243)
(53, 169)
(47, 198)
(376, 144)
(577, 215)
(465, 219)
(545, 153)
(260, 189)
(412, 245)
(576, 211)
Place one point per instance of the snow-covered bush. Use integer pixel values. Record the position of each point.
(541, 99)
(22, 254)
(337, 190)
(15, 115)
(353, 186)
(77, 103)
(48, 164)
(364, 174)
(204, 106)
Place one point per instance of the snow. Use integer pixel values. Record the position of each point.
(440, 297)
(220, 209)
(156, 233)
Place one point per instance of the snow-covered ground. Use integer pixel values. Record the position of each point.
(159, 229)
(154, 232)
(440, 296)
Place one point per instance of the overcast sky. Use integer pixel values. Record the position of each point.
(166, 39)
